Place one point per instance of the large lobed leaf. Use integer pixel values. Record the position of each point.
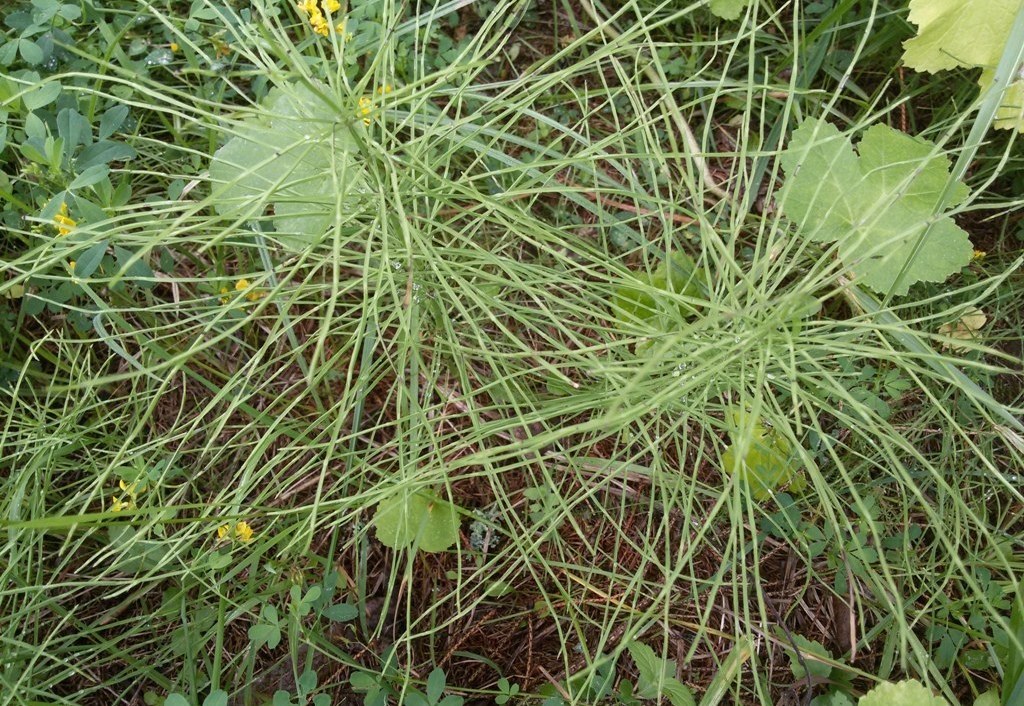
(954, 33)
(966, 34)
(296, 157)
(875, 205)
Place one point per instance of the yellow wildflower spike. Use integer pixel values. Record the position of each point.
(332, 6)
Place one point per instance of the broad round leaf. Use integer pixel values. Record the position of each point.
(417, 519)
(295, 163)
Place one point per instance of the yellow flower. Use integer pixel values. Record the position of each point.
(365, 108)
(134, 488)
(384, 90)
(244, 532)
(315, 16)
(174, 46)
(240, 531)
(65, 224)
(979, 255)
(241, 286)
(253, 296)
(320, 25)
(117, 505)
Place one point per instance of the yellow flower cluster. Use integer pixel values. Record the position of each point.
(132, 491)
(979, 255)
(238, 532)
(366, 103)
(65, 224)
(241, 286)
(316, 17)
(365, 108)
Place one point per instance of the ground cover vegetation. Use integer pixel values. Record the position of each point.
(514, 352)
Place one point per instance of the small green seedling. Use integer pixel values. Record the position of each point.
(506, 691)
(657, 677)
